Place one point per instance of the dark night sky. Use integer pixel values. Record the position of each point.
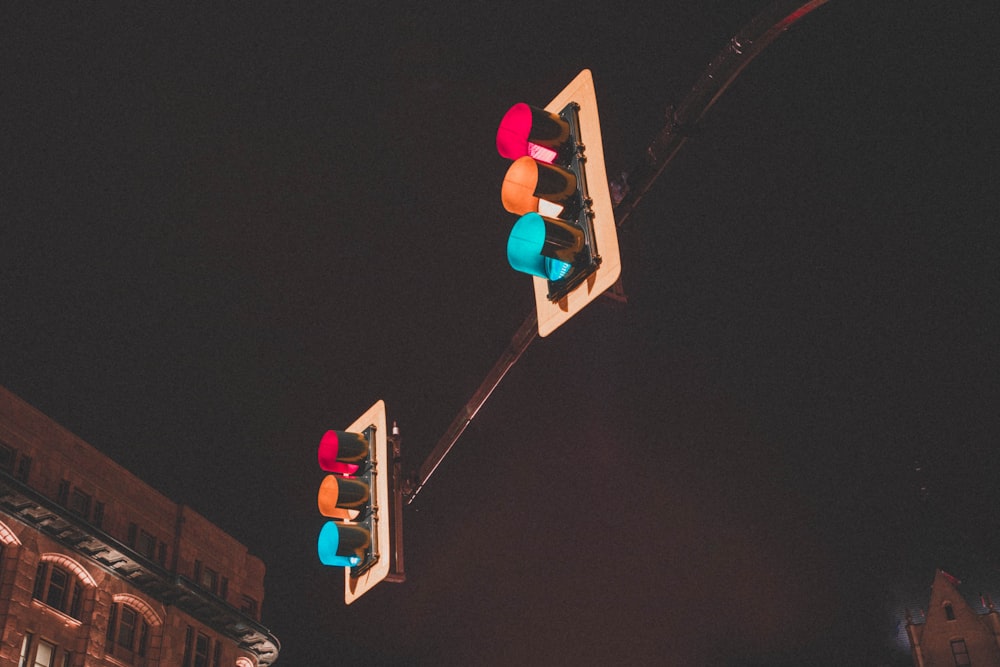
(225, 231)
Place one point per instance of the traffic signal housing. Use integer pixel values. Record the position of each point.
(355, 498)
(566, 237)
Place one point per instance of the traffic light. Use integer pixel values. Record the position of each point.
(566, 237)
(355, 496)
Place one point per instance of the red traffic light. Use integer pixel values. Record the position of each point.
(527, 130)
(342, 452)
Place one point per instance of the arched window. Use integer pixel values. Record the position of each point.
(57, 587)
(60, 582)
(949, 612)
(128, 634)
(130, 625)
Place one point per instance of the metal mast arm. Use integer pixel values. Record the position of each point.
(527, 332)
(724, 68)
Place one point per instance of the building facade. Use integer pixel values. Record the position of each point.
(953, 634)
(98, 568)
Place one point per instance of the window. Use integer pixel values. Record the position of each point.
(201, 651)
(960, 652)
(196, 647)
(248, 606)
(45, 654)
(23, 469)
(79, 503)
(58, 589)
(206, 577)
(38, 653)
(7, 456)
(75, 500)
(210, 579)
(25, 649)
(146, 544)
(98, 519)
(949, 612)
(128, 634)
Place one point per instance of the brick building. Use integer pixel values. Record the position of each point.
(98, 568)
(953, 633)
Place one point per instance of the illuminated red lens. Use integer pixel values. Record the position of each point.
(515, 128)
(537, 133)
(330, 453)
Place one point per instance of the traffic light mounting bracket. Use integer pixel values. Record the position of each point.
(397, 568)
(369, 520)
(581, 212)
